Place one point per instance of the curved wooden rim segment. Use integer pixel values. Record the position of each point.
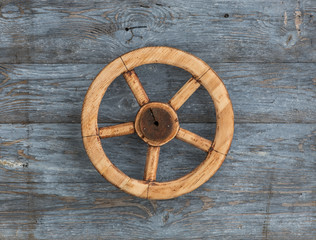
(202, 74)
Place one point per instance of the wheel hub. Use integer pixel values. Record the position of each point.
(156, 123)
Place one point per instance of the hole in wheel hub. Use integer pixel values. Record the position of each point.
(156, 123)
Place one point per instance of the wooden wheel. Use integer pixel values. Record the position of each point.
(157, 123)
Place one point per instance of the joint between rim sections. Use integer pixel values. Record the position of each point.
(95, 135)
(197, 79)
(124, 64)
(213, 149)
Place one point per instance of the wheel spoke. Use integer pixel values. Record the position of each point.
(194, 139)
(136, 87)
(151, 163)
(117, 130)
(184, 93)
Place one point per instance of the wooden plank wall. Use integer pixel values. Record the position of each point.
(264, 51)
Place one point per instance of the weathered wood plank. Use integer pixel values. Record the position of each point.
(95, 31)
(259, 92)
(96, 211)
(264, 190)
(54, 153)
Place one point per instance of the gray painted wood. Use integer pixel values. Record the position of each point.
(264, 190)
(217, 31)
(96, 211)
(260, 92)
(263, 50)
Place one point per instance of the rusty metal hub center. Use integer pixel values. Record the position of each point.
(156, 123)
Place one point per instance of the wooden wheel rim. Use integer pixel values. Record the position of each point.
(203, 75)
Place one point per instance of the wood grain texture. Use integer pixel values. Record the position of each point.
(264, 189)
(94, 31)
(263, 50)
(194, 139)
(259, 92)
(79, 211)
(151, 166)
(136, 87)
(117, 130)
(184, 93)
(27, 149)
(157, 123)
